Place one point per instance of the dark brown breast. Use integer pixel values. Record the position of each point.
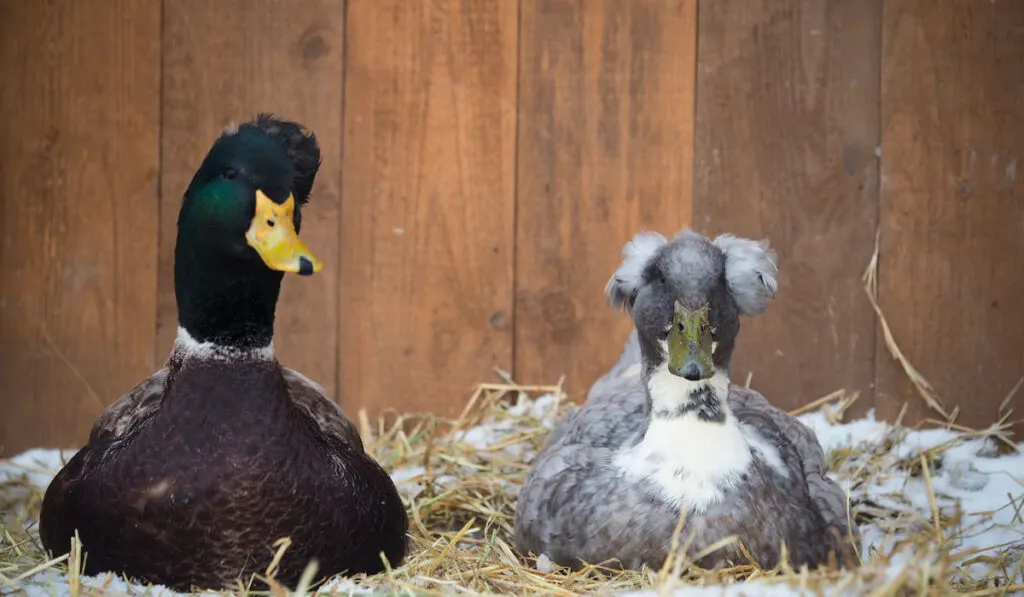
(228, 465)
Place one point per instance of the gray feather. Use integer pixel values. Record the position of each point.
(628, 362)
(829, 498)
(751, 272)
(622, 287)
(576, 507)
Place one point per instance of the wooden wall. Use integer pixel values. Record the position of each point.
(483, 164)
(819, 123)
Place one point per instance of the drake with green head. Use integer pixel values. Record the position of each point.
(190, 478)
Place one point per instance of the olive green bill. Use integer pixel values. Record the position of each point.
(690, 343)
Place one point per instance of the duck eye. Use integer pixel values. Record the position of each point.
(231, 174)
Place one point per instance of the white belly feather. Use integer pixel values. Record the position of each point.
(693, 462)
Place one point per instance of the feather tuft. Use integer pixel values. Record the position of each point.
(302, 147)
(622, 288)
(751, 272)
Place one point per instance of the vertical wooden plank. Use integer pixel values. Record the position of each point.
(786, 142)
(952, 241)
(605, 147)
(79, 112)
(224, 62)
(427, 221)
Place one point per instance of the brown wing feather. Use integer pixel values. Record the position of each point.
(311, 398)
(133, 408)
(139, 404)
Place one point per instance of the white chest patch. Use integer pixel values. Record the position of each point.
(692, 462)
(668, 391)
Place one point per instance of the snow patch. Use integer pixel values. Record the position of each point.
(966, 475)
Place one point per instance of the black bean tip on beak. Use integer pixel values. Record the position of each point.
(692, 372)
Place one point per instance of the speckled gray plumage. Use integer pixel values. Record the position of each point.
(577, 506)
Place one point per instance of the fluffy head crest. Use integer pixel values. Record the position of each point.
(625, 282)
(300, 144)
(751, 272)
(302, 148)
(730, 276)
(750, 268)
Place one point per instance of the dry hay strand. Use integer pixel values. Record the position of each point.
(459, 479)
(1000, 430)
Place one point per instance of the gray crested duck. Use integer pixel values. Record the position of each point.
(189, 478)
(665, 435)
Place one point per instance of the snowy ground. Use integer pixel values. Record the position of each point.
(967, 478)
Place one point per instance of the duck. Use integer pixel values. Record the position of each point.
(191, 478)
(664, 439)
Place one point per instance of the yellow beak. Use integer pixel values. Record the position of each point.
(272, 234)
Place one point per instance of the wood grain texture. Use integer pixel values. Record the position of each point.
(79, 114)
(786, 139)
(952, 240)
(605, 148)
(224, 62)
(427, 217)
